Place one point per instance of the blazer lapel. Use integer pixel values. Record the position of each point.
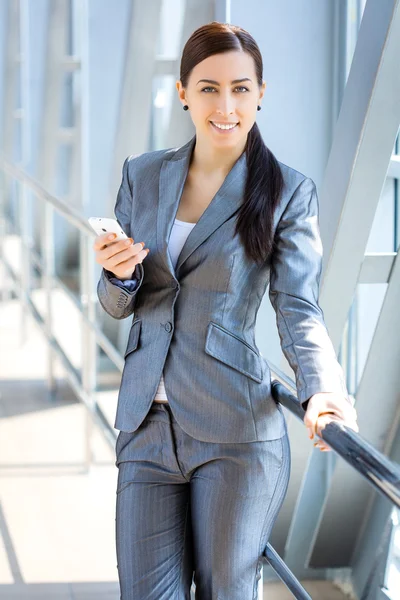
(227, 200)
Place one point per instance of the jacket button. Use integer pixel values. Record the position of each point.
(168, 326)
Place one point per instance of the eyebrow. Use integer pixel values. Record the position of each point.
(216, 82)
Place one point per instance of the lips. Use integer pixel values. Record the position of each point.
(224, 129)
(218, 123)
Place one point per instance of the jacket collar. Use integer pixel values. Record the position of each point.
(227, 200)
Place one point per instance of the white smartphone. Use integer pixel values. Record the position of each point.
(103, 225)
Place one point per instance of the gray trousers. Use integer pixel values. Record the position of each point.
(186, 507)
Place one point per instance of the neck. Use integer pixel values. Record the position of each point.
(208, 159)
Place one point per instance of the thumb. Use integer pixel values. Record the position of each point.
(310, 419)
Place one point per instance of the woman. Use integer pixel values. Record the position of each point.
(203, 451)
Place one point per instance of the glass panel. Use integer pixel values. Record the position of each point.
(370, 299)
(355, 11)
(170, 38)
(164, 93)
(382, 230)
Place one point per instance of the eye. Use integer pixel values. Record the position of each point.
(239, 87)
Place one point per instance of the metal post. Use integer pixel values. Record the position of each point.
(89, 343)
(48, 273)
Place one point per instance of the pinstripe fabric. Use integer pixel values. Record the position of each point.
(196, 321)
(187, 506)
(201, 480)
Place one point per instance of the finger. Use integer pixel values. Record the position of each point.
(315, 427)
(343, 410)
(117, 248)
(124, 252)
(322, 446)
(312, 416)
(101, 241)
(131, 245)
(310, 421)
(129, 265)
(324, 420)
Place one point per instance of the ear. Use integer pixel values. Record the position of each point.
(262, 90)
(181, 91)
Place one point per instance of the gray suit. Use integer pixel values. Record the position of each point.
(197, 322)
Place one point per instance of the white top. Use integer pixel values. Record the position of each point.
(179, 233)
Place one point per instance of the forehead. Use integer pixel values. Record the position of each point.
(225, 67)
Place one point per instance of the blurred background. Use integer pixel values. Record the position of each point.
(84, 84)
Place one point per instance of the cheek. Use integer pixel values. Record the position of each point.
(200, 114)
(207, 102)
(201, 111)
(248, 104)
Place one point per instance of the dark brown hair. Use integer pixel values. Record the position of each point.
(264, 179)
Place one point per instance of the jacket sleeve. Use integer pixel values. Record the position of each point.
(115, 296)
(294, 290)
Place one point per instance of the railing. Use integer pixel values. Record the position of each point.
(375, 467)
(83, 382)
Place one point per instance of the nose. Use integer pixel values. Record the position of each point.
(226, 103)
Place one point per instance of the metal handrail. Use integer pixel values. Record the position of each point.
(382, 473)
(84, 383)
(375, 467)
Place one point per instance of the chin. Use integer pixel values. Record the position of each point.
(230, 142)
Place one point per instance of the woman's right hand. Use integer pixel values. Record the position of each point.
(119, 257)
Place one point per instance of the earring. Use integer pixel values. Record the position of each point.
(258, 107)
(186, 107)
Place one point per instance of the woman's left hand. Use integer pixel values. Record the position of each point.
(325, 407)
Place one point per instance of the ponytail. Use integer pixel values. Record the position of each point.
(262, 194)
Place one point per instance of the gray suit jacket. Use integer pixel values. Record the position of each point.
(197, 322)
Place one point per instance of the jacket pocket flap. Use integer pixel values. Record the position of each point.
(133, 338)
(233, 351)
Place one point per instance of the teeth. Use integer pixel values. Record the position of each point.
(224, 126)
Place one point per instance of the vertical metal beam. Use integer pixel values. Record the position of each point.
(54, 76)
(24, 196)
(136, 97)
(365, 133)
(48, 173)
(10, 79)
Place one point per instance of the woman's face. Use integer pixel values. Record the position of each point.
(223, 89)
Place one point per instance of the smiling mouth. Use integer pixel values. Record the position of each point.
(224, 126)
